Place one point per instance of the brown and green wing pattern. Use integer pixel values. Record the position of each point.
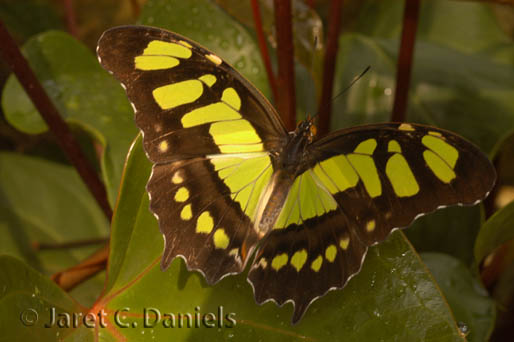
(188, 102)
(213, 139)
(305, 260)
(358, 186)
(204, 215)
(208, 132)
(403, 171)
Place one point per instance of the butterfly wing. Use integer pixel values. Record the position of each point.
(358, 185)
(404, 171)
(209, 133)
(206, 208)
(188, 102)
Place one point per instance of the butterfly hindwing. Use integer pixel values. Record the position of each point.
(180, 90)
(325, 254)
(206, 208)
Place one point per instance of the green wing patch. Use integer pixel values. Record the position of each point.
(245, 177)
(304, 200)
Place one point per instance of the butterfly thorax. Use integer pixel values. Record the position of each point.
(291, 159)
(287, 165)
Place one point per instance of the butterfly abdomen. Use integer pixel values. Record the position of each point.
(272, 201)
(288, 165)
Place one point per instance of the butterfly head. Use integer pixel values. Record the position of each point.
(306, 129)
(290, 159)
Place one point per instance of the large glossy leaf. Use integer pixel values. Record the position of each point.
(473, 308)
(496, 231)
(84, 94)
(468, 94)
(469, 27)
(462, 72)
(45, 202)
(87, 292)
(393, 298)
(26, 301)
(451, 230)
(206, 23)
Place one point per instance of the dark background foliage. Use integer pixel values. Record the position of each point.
(448, 278)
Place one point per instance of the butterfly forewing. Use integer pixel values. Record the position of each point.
(188, 102)
(415, 169)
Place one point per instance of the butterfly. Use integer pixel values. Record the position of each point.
(230, 182)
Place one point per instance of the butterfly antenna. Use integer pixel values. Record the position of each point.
(314, 47)
(355, 79)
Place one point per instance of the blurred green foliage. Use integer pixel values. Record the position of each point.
(462, 80)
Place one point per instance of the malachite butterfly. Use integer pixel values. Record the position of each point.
(229, 182)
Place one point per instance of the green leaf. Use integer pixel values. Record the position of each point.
(504, 163)
(393, 298)
(444, 23)
(451, 230)
(26, 301)
(45, 202)
(440, 18)
(473, 308)
(206, 23)
(132, 211)
(84, 94)
(87, 292)
(496, 231)
(462, 72)
(468, 94)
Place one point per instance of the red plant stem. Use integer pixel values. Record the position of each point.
(77, 274)
(263, 47)
(136, 9)
(286, 103)
(69, 244)
(403, 71)
(71, 19)
(329, 63)
(18, 64)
